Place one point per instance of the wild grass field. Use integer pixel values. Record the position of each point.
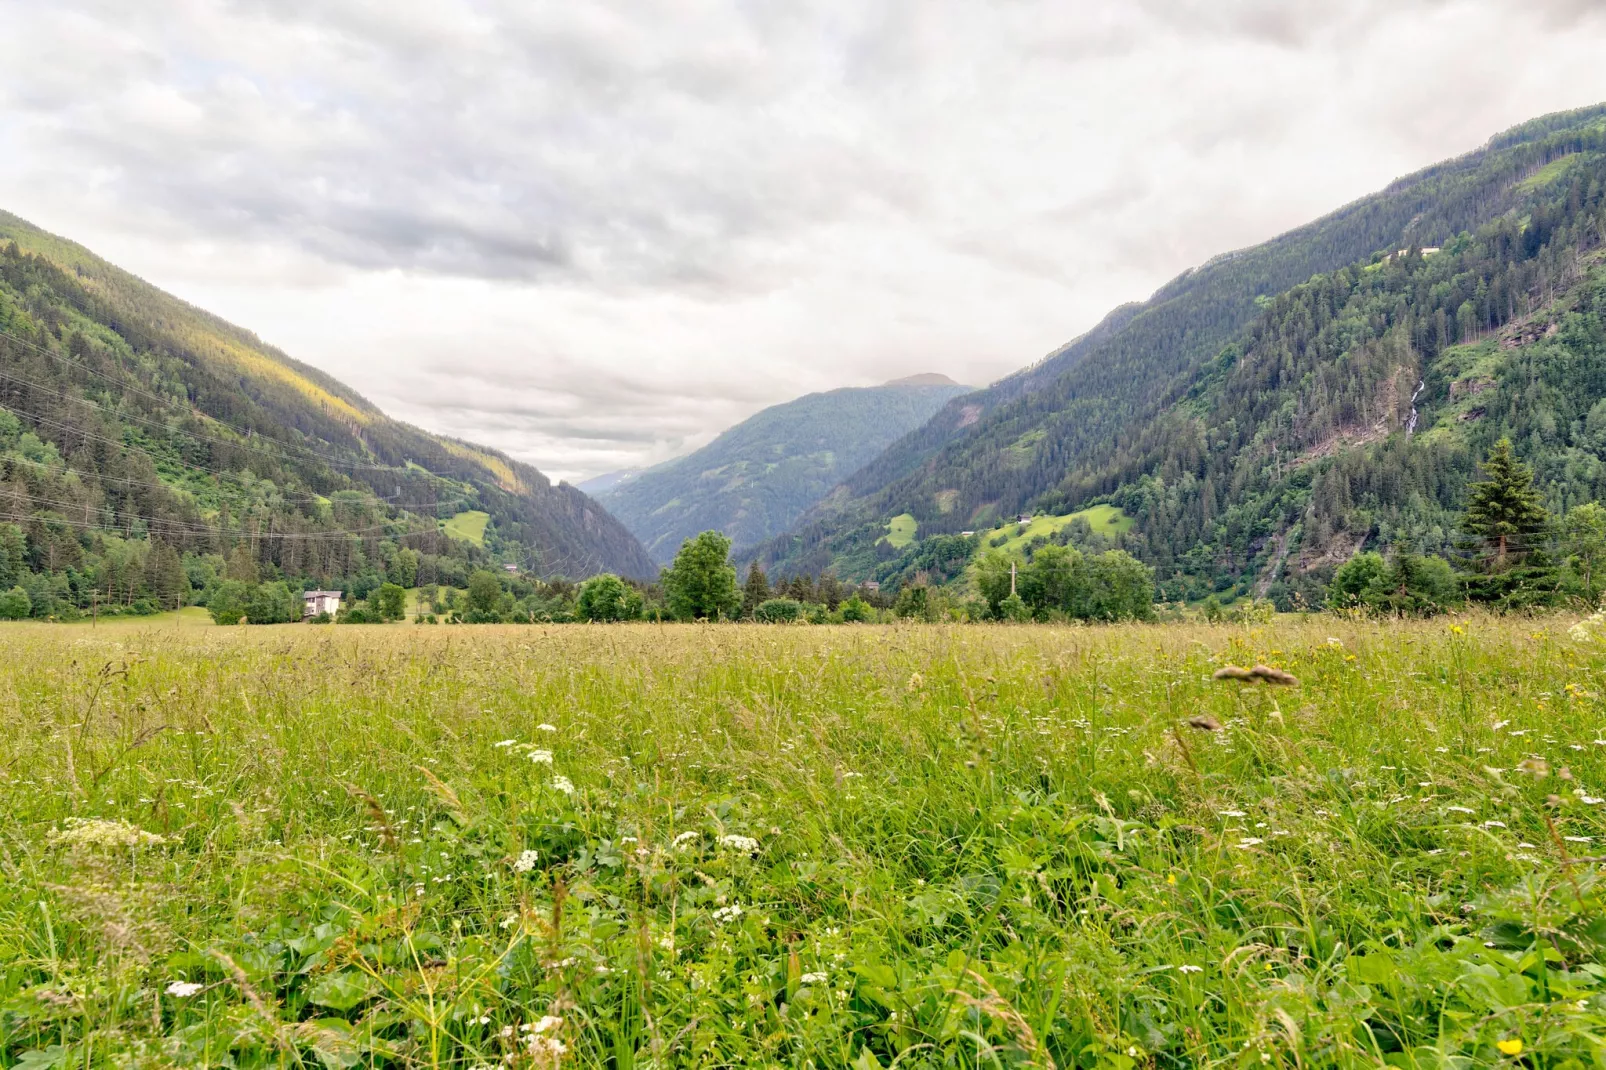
(740, 845)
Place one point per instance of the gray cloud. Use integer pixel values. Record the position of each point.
(596, 232)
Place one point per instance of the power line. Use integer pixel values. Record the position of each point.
(135, 389)
(123, 384)
(124, 480)
(72, 429)
(171, 526)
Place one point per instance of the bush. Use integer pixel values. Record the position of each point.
(1410, 585)
(1011, 608)
(272, 603)
(390, 601)
(916, 602)
(229, 601)
(484, 592)
(607, 598)
(778, 611)
(856, 611)
(15, 605)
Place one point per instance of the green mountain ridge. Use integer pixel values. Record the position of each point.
(1138, 401)
(761, 475)
(131, 421)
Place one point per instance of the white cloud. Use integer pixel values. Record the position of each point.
(593, 233)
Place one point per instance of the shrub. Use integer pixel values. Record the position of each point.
(272, 603)
(484, 592)
(778, 611)
(15, 605)
(607, 598)
(229, 601)
(390, 601)
(856, 610)
(1011, 608)
(1410, 584)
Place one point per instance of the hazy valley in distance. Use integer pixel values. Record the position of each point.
(758, 477)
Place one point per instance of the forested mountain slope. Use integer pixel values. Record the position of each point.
(137, 431)
(1061, 433)
(1356, 408)
(761, 475)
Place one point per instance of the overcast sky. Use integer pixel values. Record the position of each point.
(596, 233)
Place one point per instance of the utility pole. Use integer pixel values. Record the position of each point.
(1012, 579)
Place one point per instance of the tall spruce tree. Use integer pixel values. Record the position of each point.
(755, 591)
(1504, 510)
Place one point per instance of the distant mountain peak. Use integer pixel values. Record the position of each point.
(758, 477)
(923, 379)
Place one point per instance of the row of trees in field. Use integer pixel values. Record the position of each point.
(1058, 583)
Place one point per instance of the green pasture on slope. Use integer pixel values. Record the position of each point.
(468, 526)
(901, 530)
(1106, 520)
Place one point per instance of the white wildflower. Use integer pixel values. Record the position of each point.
(740, 843)
(547, 1023)
(1190, 968)
(184, 989)
(546, 727)
(507, 743)
(551, 1047)
(1587, 629)
(525, 862)
(813, 978)
(1494, 824)
(1250, 841)
(730, 913)
(98, 832)
(681, 841)
(1460, 810)
(563, 784)
(1232, 813)
(541, 757)
(1576, 839)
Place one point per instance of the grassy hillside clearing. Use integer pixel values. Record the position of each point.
(1107, 520)
(765, 846)
(468, 526)
(901, 531)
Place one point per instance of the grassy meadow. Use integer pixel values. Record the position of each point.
(740, 845)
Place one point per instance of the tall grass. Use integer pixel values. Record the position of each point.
(641, 846)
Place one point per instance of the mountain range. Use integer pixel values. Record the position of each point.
(129, 418)
(757, 478)
(1244, 430)
(1291, 401)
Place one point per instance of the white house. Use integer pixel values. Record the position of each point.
(316, 603)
